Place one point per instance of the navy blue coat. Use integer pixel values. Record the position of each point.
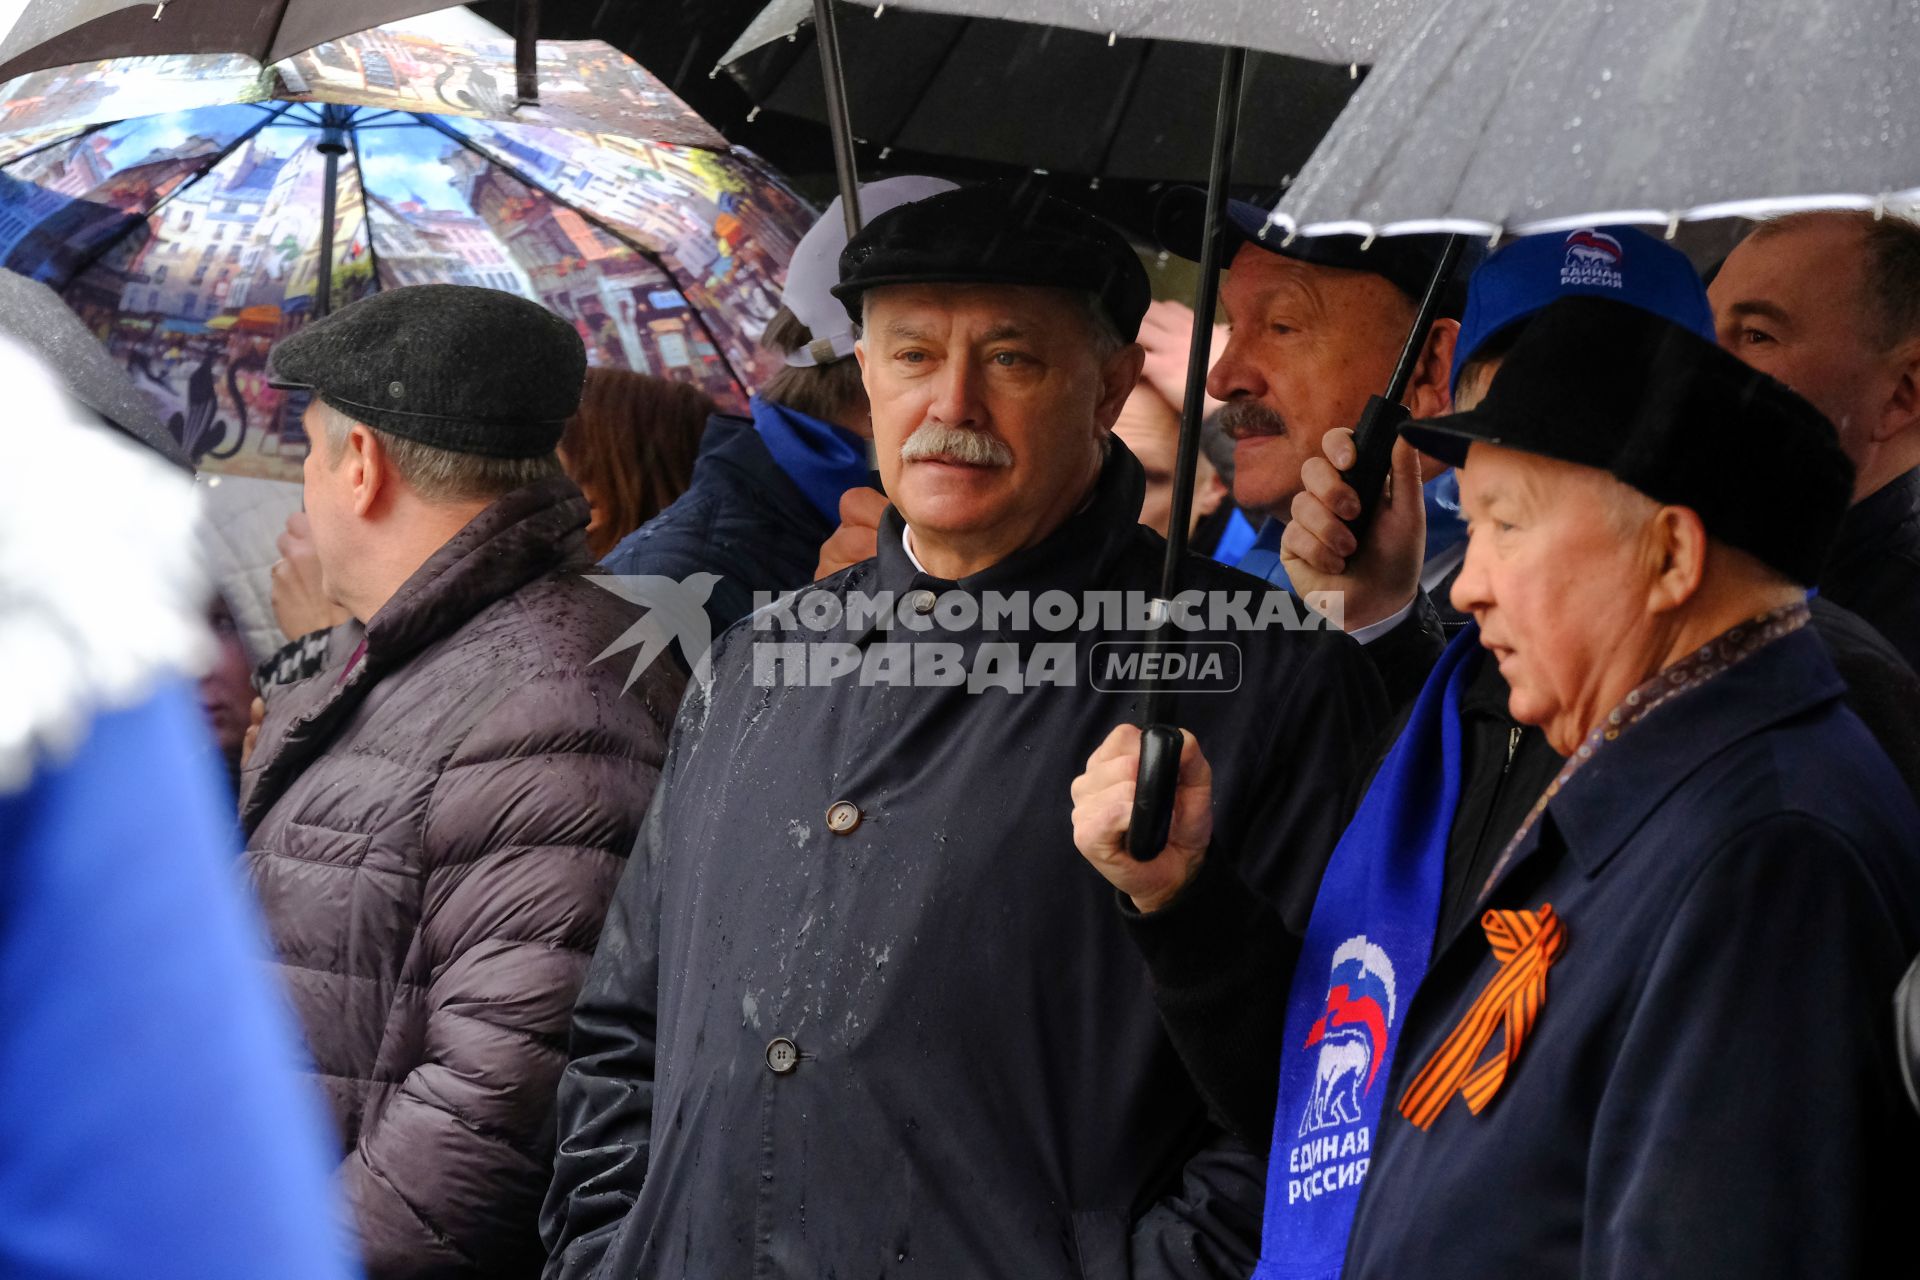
(983, 1090)
(1711, 1089)
(741, 517)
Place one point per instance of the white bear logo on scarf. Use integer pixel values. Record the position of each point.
(1352, 1034)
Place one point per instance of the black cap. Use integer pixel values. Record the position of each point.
(1406, 262)
(997, 234)
(449, 365)
(1605, 384)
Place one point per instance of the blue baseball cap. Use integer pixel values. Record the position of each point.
(1533, 272)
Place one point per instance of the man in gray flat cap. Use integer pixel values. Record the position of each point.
(857, 1010)
(435, 823)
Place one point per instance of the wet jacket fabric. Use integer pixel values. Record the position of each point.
(741, 517)
(909, 1037)
(435, 824)
(1712, 1086)
(1217, 952)
(1875, 566)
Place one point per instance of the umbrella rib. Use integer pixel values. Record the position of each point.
(433, 122)
(113, 242)
(31, 152)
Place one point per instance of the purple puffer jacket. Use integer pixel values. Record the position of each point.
(434, 838)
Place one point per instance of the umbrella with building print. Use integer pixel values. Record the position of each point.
(190, 241)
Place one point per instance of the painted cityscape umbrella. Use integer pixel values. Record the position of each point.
(1011, 91)
(190, 241)
(1516, 116)
(36, 317)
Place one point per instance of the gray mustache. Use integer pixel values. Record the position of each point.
(1242, 418)
(937, 440)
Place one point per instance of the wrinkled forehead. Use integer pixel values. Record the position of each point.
(1493, 476)
(1257, 276)
(974, 312)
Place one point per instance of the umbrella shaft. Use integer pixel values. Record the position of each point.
(323, 291)
(826, 38)
(526, 52)
(1423, 320)
(1200, 353)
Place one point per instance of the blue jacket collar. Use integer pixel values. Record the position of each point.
(1609, 800)
(822, 459)
(1263, 558)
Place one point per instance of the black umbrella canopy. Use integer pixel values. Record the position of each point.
(58, 33)
(683, 42)
(1066, 102)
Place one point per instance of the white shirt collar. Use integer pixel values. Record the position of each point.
(906, 544)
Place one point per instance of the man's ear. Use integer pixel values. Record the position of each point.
(369, 471)
(1677, 549)
(1118, 377)
(1209, 491)
(1902, 411)
(1430, 394)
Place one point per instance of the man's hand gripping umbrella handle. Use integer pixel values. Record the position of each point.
(1380, 422)
(1158, 780)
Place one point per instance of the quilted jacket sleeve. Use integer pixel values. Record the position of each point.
(606, 1091)
(526, 833)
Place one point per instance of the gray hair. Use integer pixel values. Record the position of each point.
(441, 475)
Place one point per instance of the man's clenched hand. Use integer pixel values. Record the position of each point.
(1103, 810)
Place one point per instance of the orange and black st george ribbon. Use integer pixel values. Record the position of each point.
(1526, 943)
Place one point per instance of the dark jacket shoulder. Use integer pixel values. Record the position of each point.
(1875, 566)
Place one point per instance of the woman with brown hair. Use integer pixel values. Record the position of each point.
(630, 448)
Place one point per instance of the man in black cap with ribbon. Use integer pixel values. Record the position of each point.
(435, 822)
(1663, 1044)
(857, 1009)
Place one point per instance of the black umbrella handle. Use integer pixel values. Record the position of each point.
(1153, 793)
(1379, 426)
(1373, 442)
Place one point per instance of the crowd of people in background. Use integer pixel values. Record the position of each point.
(681, 860)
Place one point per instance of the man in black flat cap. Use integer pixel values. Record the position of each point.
(1664, 1044)
(434, 823)
(857, 1010)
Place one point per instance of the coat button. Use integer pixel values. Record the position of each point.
(922, 601)
(842, 816)
(783, 1055)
